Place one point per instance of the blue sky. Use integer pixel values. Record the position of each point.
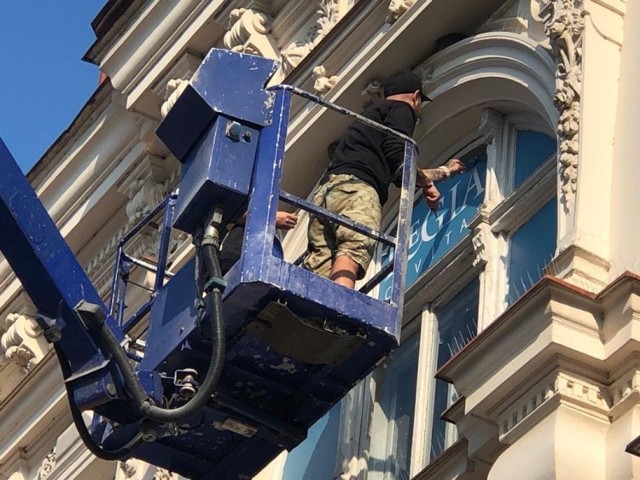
(43, 81)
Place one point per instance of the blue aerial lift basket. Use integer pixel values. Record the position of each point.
(288, 343)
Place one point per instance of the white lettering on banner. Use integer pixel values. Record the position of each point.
(432, 235)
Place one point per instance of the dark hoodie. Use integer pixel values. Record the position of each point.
(369, 154)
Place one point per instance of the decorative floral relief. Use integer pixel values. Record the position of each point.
(564, 25)
(329, 13)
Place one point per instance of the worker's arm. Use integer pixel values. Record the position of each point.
(284, 220)
(426, 176)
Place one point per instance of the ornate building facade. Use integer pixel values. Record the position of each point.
(519, 356)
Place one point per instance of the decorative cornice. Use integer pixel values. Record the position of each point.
(576, 391)
(564, 25)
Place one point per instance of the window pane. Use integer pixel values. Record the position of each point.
(392, 420)
(457, 326)
(434, 234)
(531, 248)
(532, 149)
(315, 458)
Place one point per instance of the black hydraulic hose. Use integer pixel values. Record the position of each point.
(111, 455)
(216, 363)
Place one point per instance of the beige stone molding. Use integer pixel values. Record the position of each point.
(322, 81)
(397, 8)
(250, 32)
(564, 25)
(22, 342)
(329, 13)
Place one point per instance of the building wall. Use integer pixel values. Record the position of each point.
(537, 95)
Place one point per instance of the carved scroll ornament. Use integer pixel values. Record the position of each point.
(250, 32)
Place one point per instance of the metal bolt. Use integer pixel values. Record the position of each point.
(232, 130)
(111, 389)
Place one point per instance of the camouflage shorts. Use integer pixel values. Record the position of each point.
(351, 197)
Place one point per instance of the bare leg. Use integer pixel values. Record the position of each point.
(344, 271)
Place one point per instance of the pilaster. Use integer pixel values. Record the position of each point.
(585, 38)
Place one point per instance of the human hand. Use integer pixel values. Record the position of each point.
(431, 196)
(286, 220)
(455, 166)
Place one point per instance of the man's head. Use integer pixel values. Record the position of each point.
(404, 86)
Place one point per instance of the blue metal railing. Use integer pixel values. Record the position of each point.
(397, 265)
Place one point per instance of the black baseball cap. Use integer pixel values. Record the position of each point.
(403, 81)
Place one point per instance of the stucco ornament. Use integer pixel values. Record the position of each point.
(372, 93)
(323, 82)
(162, 474)
(22, 343)
(397, 8)
(564, 25)
(250, 32)
(175, 88)
(47, 465)
(329, 13)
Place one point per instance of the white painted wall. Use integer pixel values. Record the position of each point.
(625, 227)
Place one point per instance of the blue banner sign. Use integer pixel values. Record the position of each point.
(434, 233)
